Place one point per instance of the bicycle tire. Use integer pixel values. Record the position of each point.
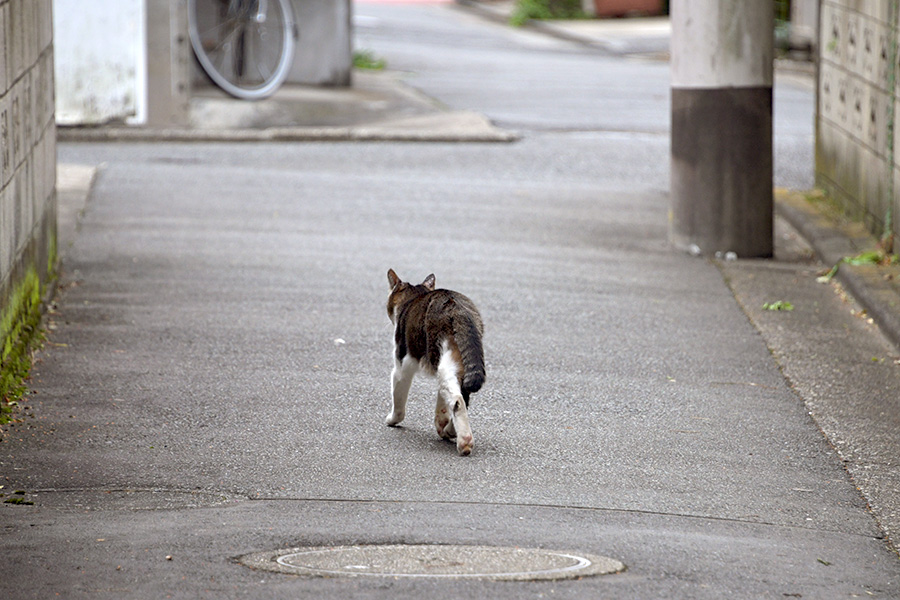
(244, 56)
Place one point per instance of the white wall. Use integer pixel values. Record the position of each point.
(100, 48)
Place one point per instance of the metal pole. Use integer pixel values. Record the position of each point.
(721, 148)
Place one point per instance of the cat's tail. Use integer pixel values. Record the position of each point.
(467, 335)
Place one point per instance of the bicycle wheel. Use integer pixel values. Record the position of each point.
(245, 46)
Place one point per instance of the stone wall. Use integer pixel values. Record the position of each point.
(859, 90)
(27, 167)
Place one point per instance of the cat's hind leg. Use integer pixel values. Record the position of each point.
(442, 421)
(401, 380)
(460, 421)
(450, 399)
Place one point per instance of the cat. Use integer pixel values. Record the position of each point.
(439, 332)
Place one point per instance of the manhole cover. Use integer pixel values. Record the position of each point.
(482, 562)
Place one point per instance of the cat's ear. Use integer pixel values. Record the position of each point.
(429, 283)
(393, 280)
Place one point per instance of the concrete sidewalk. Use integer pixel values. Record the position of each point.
(378, 107)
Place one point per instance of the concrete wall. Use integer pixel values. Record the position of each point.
(324, 49)
(169, 63)
(100, 61)
(27, 161)
(859, 90)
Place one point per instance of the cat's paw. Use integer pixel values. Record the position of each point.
(393, 420)
(444, 428)
(464, 445)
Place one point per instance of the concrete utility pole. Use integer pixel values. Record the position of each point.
(722, 52)
(168, 63)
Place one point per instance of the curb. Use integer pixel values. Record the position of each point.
(870, 285)
(444, 127)
(74, 183)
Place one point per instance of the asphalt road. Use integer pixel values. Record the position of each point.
(217, 372)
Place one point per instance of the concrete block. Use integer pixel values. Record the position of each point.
(896, 139)
(875, 175)
(896, 210)
(38, 80)
(6, 135)
(838, 165)
(5, 236)
(15, 125)
(842, 98)
(4, 48)
(45, 19)
(27, 96)
(858, 100)
(873, 46)
(50, 149)
(25, 209)
(16, 30)
(826, 96)
(876, 118)
(48, 175)
(895, 67)
(45, 74)
(29, 34)
(883, 64)
(853, 41)
(16, 193)
(878, 10)
(834, 33)
(38, 180)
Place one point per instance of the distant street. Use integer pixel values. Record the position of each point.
(525, 80)
(217, 372)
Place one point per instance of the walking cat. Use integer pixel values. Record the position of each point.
(438, 332)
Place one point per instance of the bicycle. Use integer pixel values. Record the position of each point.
(245, 46)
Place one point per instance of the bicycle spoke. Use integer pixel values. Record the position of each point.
(247, 46)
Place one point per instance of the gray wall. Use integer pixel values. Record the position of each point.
(324, 54)
(27, 157)
(169, 63)
(859, 88)
(324, 50)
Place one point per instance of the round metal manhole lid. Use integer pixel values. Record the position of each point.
(478, 562)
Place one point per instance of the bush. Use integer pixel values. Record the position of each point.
(545, 9)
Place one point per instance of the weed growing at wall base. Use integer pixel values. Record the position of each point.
(20, 333)
(366, 60)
